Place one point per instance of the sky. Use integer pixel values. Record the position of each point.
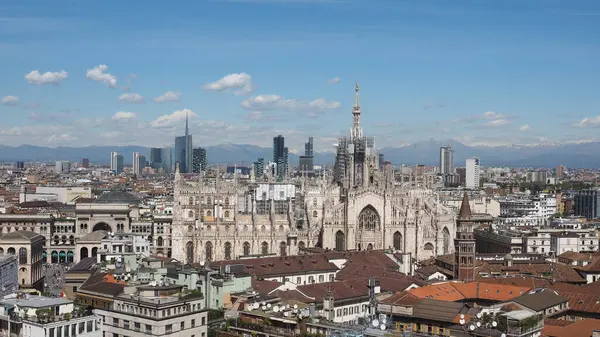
(491, 73)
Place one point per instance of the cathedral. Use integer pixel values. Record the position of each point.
(354, 206)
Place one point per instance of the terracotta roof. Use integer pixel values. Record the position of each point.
(35, 204)
(561, 273)
(593, 267)
(403, 298)
(369, 257)
(576, 256)
(454, 291)
(103, 283)
(362, 271)
(583, 302)
(582, 328)
(264, 287)
(281, 265)
(527, 282)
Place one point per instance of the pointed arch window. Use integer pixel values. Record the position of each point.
(246, 248)
(264, 248)
(368, 219)
(208, 251)
(398, 241)
(227, 251)
(340, 241)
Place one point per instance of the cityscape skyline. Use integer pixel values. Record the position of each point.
(240, 93)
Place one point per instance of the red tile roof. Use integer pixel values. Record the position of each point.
(582, 328)
(454, 291)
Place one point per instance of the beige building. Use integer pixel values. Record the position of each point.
(355, 207)
(28, 247)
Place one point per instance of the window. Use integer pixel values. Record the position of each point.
(193, 323)
(169, 328)
(23, 255)
(203, 321)
(182, 326)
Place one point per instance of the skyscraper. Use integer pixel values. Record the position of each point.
(63, 166)
(166, 155)
(259, 167)
(472, 173)
(307, 166)
(280, 155)
(199, 160)
(381, 161)
(560, 172)
(116, 162)
(156, 158)
(139, 162)
(446, 160)
(447, 165)
(183, 150)
(85, 163)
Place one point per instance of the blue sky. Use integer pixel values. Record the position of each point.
(480, 72)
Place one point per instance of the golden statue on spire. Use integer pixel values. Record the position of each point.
(356, 86)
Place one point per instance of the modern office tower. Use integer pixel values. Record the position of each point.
(446, 160)
(199, 162)
(307, 165)
(280, 155)
(259, 167)
(63, 166)
(183, 150)
(472, 173)
(166, 155)
(116, 162)
(587, 203)
(20, 165)
(560, 172)
(139, 162)
(447, 165)
(85, 163)
(156, 158)
(381, 161)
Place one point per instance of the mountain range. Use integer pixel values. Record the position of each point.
(576, 155)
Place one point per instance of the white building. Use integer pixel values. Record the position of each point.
(37, 316)
(66, 195)
(115, 246)
(472, 173)
(139, 162)
(63, 167)
(575, 242)
(156, 311)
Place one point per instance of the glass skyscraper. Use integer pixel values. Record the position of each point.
(183, 150)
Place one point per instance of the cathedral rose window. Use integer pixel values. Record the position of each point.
(368, 219)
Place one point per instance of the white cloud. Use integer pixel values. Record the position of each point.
(98, 74)
(131, 97)
(525, 127)
(241, 83)
(493, 115)
(9, 100)
(591, 122)
(169, 96)
(124, 116)
(334, 80)
(176, 118)
(276, 102)
(57, 139)
(498, 122)
(37, 78)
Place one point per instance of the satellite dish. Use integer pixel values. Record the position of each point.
(286, 314)
(202, 263)
(472, 327)
(462, 322)
(494, 324)
(462, 316)
(264, 303)
(479, 315)
(375, 322)
(275, 308)
(295, 306)
(264, 308)
(382, 327)
(503, 335)
(269, 305)
(479, 324)
(384, 320)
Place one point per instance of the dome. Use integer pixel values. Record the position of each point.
(508, 257)
(117, 197)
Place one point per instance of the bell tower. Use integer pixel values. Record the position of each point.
(464, 243)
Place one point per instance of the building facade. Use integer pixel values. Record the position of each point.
(354, 208)
(472, 173)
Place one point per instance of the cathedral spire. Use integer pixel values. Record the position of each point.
(186, 126)
(356, 131)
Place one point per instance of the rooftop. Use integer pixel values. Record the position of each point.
(117, 197)
(35, 301)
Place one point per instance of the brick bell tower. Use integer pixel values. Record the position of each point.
(464, 243)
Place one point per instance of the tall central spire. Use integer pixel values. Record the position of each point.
(356, 131)
(186, 124)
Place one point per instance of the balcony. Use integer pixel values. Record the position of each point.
(520, 323)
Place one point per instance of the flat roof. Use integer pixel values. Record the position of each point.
(36, 301)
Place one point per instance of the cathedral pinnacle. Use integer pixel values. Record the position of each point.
(356, 131)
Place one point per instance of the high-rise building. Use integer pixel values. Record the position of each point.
(280, 156)
(20, 165)
(587, 203)
(116, 162)
(446, 160)
(199, 162)
(560, 172)
(139, 162)
(63, 166)
(85, 163)
(166, 155)
(259, 167)
(472, 173)
(183, 150)
(307, 161)
(381, 161)
(156, 158)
